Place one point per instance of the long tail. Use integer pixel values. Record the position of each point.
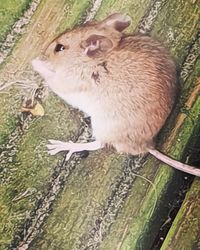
(176, 164)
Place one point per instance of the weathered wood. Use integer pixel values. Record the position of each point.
(26, 167)
(185, 231)
(10, 12)
(102, 204)
(178, 24)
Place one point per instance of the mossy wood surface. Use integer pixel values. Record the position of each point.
(104, 201)
(185, 230)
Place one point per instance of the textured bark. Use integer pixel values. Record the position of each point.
(185, 230)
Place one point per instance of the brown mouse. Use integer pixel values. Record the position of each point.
(127, 84)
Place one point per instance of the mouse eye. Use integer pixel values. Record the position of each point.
(59, 47)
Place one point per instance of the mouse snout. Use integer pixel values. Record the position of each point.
(43, 67)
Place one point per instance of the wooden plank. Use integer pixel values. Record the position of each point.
(178, 24)
(185, 230)
(80, 203)
(25, 165)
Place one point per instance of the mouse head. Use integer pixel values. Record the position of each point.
(91, 40)
(81, 47)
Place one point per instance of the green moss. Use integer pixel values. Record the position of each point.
(32, 166)
(8, 114)
(78, 10)
(192, 80)
(135, 9)
(177, 25)
(10, 11)
(9, 126)
(131, 227)
(185, 228)
(80, 202)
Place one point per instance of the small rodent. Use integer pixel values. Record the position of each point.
(127, 84)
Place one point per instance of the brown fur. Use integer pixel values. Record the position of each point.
(128, 82)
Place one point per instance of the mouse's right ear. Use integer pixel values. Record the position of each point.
(94, 45)
(117, 21)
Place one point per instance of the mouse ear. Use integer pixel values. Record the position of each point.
(117, 21)
(96, 44)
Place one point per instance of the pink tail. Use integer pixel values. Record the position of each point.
(176, 164)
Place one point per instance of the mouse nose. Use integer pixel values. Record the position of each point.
(44, 68)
